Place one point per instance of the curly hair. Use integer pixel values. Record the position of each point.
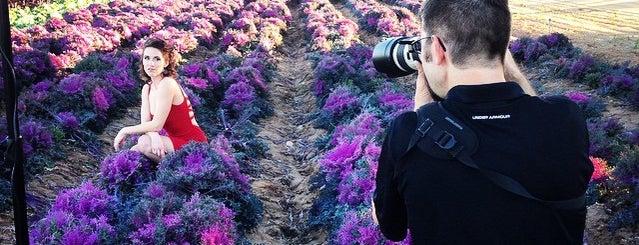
(168, 51)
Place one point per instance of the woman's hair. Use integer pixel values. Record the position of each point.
(169, 55)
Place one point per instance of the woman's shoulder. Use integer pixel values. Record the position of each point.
(169, 83)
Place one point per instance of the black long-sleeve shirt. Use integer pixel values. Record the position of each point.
(540, 142)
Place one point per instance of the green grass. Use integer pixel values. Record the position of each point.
(30, 16)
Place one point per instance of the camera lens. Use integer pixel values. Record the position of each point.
(395, 56)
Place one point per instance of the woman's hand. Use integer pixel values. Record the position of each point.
(157, 146)
(119, 139)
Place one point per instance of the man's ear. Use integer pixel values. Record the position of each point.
(439, 54)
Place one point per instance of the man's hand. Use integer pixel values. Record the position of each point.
(422, 94)
(512, 73)
(373, 213)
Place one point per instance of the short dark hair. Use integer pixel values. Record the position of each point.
(168, 51)
(477, 29)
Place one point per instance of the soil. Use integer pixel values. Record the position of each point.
(609, 31)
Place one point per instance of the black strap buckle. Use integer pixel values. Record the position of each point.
(426, 125)
(446, 141)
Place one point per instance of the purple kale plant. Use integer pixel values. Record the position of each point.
(239, 97)
(32, 66)
(125, 170)
(592, 106)
(162, 217)
(198, 168)
(82, 215)
(357, 227)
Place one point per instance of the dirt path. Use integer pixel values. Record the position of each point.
(283, 185)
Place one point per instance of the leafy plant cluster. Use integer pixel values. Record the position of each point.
(201, 187)
(412, 5)
(354, 108)
(327, 27)
(385, 20)
(25, 14)
(556, 54)
(185, 199)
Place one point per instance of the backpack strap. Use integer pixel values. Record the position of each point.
(458, 141)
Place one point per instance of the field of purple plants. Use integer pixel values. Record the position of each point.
(78, 75)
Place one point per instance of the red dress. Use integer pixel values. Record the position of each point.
(179, 127)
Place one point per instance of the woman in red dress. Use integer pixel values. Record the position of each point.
(164, 106)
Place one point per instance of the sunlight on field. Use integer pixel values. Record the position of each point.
(611, 17)
(607, 29)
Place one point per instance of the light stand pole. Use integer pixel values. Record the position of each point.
(14, 154)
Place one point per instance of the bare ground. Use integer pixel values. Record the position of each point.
(283, 185)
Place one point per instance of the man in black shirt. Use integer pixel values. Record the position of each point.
(542, 143)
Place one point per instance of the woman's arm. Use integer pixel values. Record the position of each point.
(163, 101)
(145, 108)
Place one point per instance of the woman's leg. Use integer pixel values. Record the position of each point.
(144, 146)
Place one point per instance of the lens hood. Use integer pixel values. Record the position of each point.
(393, 57)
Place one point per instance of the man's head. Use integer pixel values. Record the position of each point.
(462, 35)
(473, 31)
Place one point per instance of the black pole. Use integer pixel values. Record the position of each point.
(14, 152)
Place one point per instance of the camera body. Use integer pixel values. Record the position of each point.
(396, 56)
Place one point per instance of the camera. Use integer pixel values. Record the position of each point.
(396, 56)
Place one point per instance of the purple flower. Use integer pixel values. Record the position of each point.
(155, 190)
(217, 235)
(340, 100)
(555, 40)
(77, 236)
(72, 84)
(618, 82)
(194, 163)
(581, 66)
(249, 75)
(102, 99)
(197, 82)
(238, 97)
(578, 97)
(341, 157)
(213, 77)
(192, 70)
(365, 124)
(394, 102)
(171, 220)
(85, 199)
(356, 188)
(42, 86)
(612, 126)
(39, 91)
(125, 167)
(36, 137)
(68, 120)
(121, 81)
(55, 24)
(123, 64)
(144, 235)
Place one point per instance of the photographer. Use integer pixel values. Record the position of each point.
(539, 143)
